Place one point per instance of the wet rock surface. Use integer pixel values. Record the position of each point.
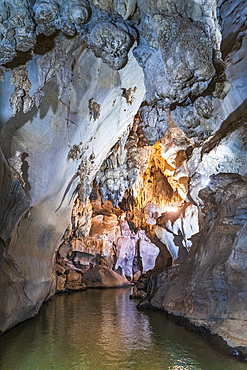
(202, 289)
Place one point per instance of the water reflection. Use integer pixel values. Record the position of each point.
(100, 330)
(119, 322)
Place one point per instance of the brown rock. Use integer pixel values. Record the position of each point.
(137, 294)
(73, 276)
(60, 283)
(76, 286)
(77, 245)
(60, 269)
(137, 275)
(64, 249)
(69, 266)
(103, 277)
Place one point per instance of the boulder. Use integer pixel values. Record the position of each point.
(60, 283)
(73, 281)
(103, 277)
(136, 275)
(73, 276)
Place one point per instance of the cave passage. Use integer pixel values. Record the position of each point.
(144, 230)
(123, 163)
(102, 329)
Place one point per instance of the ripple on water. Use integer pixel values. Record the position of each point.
(103, 330)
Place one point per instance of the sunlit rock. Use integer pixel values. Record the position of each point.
(176, 230)
(229, 156)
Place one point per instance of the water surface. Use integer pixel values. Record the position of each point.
(102, 329)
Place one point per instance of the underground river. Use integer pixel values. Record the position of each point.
(102, 329)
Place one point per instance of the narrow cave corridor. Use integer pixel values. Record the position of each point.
(123, 163)
(147, 232)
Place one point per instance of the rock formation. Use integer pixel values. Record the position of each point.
(123, 147)
(208, 289)
(59, 144)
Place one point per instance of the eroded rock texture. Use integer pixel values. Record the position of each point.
(106, 32)
(58, 143)
(188, 71)
(111, 42)
(134, 104)
(16, 29)
(99, 235)
(209, 289)
(139, 231)
(120, 170)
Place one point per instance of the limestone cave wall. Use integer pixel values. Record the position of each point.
(123, 144)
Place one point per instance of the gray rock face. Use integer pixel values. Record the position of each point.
(176, 78)
(234, 46)
(16, 29)
(125, 8)
(120, 170)
(56, 140)
(185, 68)
(111, 42)
(209, 289)
(191, 120)
(73, 76)
(46, 13)
(153, 123)
(107, 34)
(229, 156)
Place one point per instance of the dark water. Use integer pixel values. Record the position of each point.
(102, 329)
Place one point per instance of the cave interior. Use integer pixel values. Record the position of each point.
(123, 137)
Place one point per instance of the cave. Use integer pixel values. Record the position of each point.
(123, 163)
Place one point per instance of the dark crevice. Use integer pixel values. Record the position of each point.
(24, 168)
(233, 122)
